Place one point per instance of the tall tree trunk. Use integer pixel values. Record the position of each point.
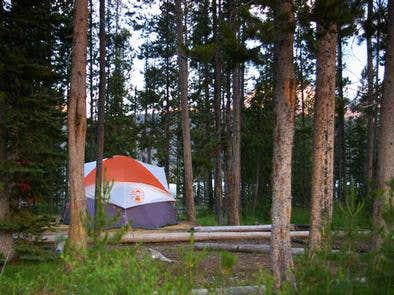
(217, 114)
(100, 126)
(303, 126)
(91, 61)
(284, 109)
(228, 148)
(235, 142)
(76, 121)
(385, 171)
(167, 119)
(371, 108)
(323, 135)
(257, 184)
(234, 197)
(6, 241)
(340, 124)
(183, 85)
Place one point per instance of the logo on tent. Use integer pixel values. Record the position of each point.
(138, 195)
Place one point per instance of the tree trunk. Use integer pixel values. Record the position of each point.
(285, 97)
(235, 142)
(100, 125)
(385, 170)
(323, 135)
(234, 197)
(76, 121)
(371, 109)
(6, 241)
(91, 61)
(257, 184)
(183, 89)
(217, 115)
(229, 149)
(305, 176)
(340, 128)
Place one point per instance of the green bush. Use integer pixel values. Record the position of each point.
(349, 270)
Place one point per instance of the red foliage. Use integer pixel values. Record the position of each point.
(24, 187)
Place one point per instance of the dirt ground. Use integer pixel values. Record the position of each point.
(208, 272)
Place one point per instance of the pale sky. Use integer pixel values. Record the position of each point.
(354, 57)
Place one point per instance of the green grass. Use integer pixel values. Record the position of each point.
(205, 218)
(119, 271)
(299, 215)
(123, 270)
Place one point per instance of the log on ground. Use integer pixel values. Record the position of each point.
(143, 237)
(244, 228)
(245, 248)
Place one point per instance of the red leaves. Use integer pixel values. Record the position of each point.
(24, 187)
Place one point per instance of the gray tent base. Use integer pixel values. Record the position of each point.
(149, 216)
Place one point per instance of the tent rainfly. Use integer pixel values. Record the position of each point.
(139, 193)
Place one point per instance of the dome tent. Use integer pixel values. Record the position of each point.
(139, 194)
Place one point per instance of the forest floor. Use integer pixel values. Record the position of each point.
(119, 267)
(208, 266)
(245, 270)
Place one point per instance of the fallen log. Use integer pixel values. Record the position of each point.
(244, 228)
(201, 236)
(245, 248)
(232, 228)
(143, 237)
(240, 290)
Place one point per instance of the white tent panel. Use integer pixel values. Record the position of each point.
(131, 194)
(158, 172)
(88, 167)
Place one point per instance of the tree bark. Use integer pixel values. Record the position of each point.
(340, 125)
(371, 111)
(323, 135)
(385, 170)
(76, 121)
(228, 146)
(101, 118)
(217, 115)
(284, 109)
(234, 197)
(235, 140)
(257, 184)
(183, 90)
(91, 61)
(6, 241)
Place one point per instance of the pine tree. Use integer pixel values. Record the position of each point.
(217, 15)
(101, 116)
(76, 119)
(32, 79)
(183, 91)
(285, 97)
(385, 173)
(324, 122)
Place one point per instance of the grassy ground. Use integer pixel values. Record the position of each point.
(131, 270)
(300, 215)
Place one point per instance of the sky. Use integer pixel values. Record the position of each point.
(354, 58)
